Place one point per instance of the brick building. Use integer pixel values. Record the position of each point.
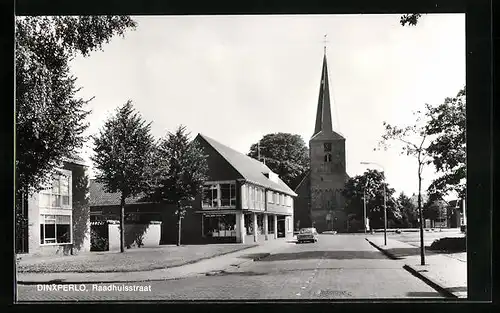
(242, 201)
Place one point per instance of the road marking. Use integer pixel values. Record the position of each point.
(303, 287)
(298, 294)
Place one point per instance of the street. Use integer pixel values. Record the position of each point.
(337, 266)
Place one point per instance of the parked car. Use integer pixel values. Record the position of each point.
(307, 234)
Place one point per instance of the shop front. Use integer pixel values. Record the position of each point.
(219, 227)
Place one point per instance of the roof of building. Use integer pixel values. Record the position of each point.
(251, 169)
(75, 159)
(456, 204)
(98, 196)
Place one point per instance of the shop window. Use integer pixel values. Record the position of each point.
(55, 229)
(249, 224)
(220, 226)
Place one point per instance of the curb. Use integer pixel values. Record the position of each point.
(442, 290)
(237, 265)
(63, 281)
(385, 252)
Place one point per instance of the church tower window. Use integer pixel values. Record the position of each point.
(328, 147)
(328, 157)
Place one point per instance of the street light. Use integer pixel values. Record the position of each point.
(364, 205)
(385, 201)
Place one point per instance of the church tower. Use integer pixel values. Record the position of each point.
(320, 190)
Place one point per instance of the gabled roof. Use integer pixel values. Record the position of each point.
(305, 177)
(75, 159)
(98, 196)
(250, 169)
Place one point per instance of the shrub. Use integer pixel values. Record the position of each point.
(134, 234)
(98, 242)
(449, 244)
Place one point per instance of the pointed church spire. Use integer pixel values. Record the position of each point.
(323, 114)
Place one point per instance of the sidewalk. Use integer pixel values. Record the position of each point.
(202, 267)
(446, 274)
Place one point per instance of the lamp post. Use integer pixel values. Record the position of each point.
(385, 201)
(364, 205)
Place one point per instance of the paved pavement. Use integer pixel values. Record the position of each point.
(445, 272)
(132, 260)
(338, 266)
(189, 270)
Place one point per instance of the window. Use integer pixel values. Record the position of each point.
(328, 146)
(227, 195)
(251, 197)
(210, 196)
(270, 197)
(328, 157)
(244, 196)
(282, 199)
(58, 195)
(55, 229)
(249, 223)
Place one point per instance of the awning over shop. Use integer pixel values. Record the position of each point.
(217, 212)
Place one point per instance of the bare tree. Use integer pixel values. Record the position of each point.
(412, 141)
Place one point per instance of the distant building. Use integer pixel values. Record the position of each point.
(320, 202)
(58, 218)
(242, 201)
(455, 214)
(414, 199)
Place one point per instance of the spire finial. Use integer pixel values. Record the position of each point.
(324, 42)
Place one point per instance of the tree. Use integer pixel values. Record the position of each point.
(50, 118)
(123, 157)
(435, 207)
(410, 19)
(285, 154)
(372, 184)
(447, 123)
(409, 214)
(180, 171)
(417, 149)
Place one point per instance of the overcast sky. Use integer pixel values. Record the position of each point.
(237, 78)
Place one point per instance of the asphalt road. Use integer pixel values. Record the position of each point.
(336, 267)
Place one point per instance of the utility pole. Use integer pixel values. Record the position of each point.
(385, 214)
(364, 205)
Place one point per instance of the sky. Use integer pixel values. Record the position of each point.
(237, 78)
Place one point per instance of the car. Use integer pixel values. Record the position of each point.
(307, 235)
